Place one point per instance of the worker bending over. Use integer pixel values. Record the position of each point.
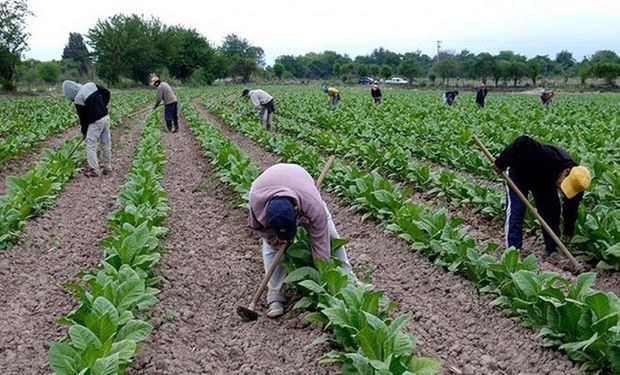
(333, 93)
(281, 198)
(264, 103)
(542, 169)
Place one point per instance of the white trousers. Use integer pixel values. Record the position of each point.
(279, 274)
(99, 131)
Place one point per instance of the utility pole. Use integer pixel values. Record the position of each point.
(438, 48)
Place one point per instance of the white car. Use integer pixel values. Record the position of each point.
(397, 81)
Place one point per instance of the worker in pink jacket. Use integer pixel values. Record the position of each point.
(281, 198)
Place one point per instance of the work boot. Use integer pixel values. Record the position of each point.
(169, 126)
(276, 310)
(91, 172)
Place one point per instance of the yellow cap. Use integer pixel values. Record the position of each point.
(577, 181)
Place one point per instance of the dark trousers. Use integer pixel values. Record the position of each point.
(547, 204)
(171, 115)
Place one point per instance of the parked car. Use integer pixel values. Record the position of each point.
(366, 81)
(397, 81)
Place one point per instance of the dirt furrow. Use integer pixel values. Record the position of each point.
(452, 321)
(214, 265)
(52, 249)
(23, 163)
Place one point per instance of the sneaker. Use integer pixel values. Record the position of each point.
(91, 173)
(276, 310)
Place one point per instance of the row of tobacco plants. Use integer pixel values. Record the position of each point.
(379, 138)
(569, 315)
(366, 338)
(109, 323)
(32, 193)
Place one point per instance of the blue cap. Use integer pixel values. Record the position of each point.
(282, 218)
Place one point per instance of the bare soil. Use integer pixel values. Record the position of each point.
(52, 249)
(452, 321)
(24, 162)
(213, 266)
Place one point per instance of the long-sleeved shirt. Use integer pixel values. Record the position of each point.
(165, 93)
(259, 98)
(292, 181)
(539, 166)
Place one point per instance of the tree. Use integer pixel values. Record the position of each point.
(13, 38)
(410, 69)
(189, 50)
(386, 71)
(48, 71)
(483, 66)
(445, 69)
(533, 70)
(126, 46)
(278, 70)
(565, 59)
(293, 65)
(76, 50)
(516, 71)
(500, 71)
(243, 59)
(608, 71)
(605, 56)
(362, 70)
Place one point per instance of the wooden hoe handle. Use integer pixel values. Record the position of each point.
(542, 221)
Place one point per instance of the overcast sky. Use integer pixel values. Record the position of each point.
(529, 27)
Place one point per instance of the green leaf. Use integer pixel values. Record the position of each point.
(403, 344)
(63, 359)
(302, 273)
(125, 350)
(582, 285)
(312, 286)
(109, 365)
(423, 366)
(136, 330)
(599, 303)
(613, 250)
(129, 293)
(304, 303)
(580, 345)
(371, 342)
(360, 363)
(82, 338)
(526, 281)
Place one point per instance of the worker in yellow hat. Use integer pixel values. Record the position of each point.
(542, 169)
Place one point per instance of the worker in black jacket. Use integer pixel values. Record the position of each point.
(91, 103)
(481, 94)
(449, 97)
(542, 169)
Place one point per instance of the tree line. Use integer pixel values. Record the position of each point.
(126, 49)
(506, 66)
